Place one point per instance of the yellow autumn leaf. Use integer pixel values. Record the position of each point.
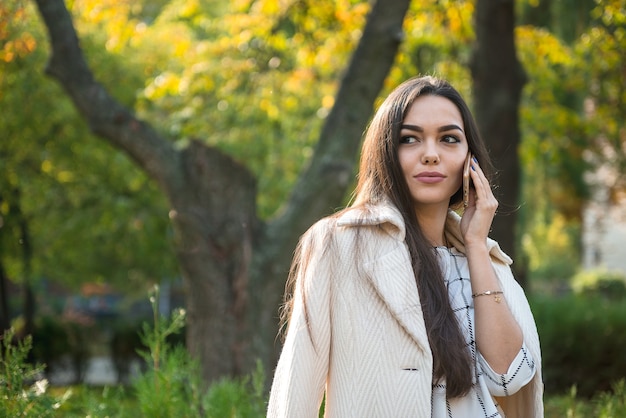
(65, 176)
(46, 166)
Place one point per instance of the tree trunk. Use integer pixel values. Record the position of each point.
(233, 265)
(214, 217)
(28, 297)
(5, 319)
(27, 258)
(498, 79)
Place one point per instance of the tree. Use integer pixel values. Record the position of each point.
(71, 210)
(232, 262)
(498, 79)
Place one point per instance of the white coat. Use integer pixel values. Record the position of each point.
(357, 332)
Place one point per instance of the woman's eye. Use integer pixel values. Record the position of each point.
(451, 139)
(408, 139)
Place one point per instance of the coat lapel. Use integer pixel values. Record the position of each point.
(389, 272)
(392, 278)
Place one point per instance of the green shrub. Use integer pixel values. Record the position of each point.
(98, 402)
(22, 392)
(237, 398)
(170, 387)
(610, 405)
(568, 405)
(582, 340)
(604, 405)
(550, 245)
(606, 283)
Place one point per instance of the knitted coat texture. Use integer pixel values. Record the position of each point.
(357, 334)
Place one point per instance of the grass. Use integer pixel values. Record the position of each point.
(96, 400)
(602, 405)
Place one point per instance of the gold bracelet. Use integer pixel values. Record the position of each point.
(490, 292)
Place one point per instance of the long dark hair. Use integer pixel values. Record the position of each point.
(380, 178)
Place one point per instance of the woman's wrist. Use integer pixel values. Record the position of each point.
(476, 246)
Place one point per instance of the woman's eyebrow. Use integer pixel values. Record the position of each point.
(412, 128)
(451, 127)
(444, 128)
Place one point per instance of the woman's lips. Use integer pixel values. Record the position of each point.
(430, 177)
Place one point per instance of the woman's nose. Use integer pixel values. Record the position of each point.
(430, 156)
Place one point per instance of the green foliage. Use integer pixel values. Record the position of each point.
(22, 392)
(256, 79)
(98, 402)
(257, 84)
(241, 398)
(551, 246)
(567, 405)
(102, 217)
(553, 125)
(171, 384)
(439, 41)
(567, 19)
(610, 404)
(602, 282)
(582, 340)
(571, 115)
(581, 345)
(572, 107)
(601, 47)
(172, 387)
(169, 387)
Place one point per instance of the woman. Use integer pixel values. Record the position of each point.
(401, 307)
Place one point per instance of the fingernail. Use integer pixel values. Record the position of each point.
(475, 160)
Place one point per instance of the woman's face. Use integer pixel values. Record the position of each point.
(432, 150)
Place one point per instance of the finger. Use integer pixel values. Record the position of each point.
(484, 196)
(481, 182)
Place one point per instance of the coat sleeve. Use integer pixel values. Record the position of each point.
(528, 401)
(521, 370)
(300, 376)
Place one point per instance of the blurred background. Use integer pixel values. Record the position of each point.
(149, 232)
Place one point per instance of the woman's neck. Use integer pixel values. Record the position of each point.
(432, 221)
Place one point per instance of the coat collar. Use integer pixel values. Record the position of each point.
(386, 215)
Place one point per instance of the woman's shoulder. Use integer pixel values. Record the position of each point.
(363, 223)
(378, 217)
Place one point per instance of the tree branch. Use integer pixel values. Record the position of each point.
(323, 185)
(106, 117)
